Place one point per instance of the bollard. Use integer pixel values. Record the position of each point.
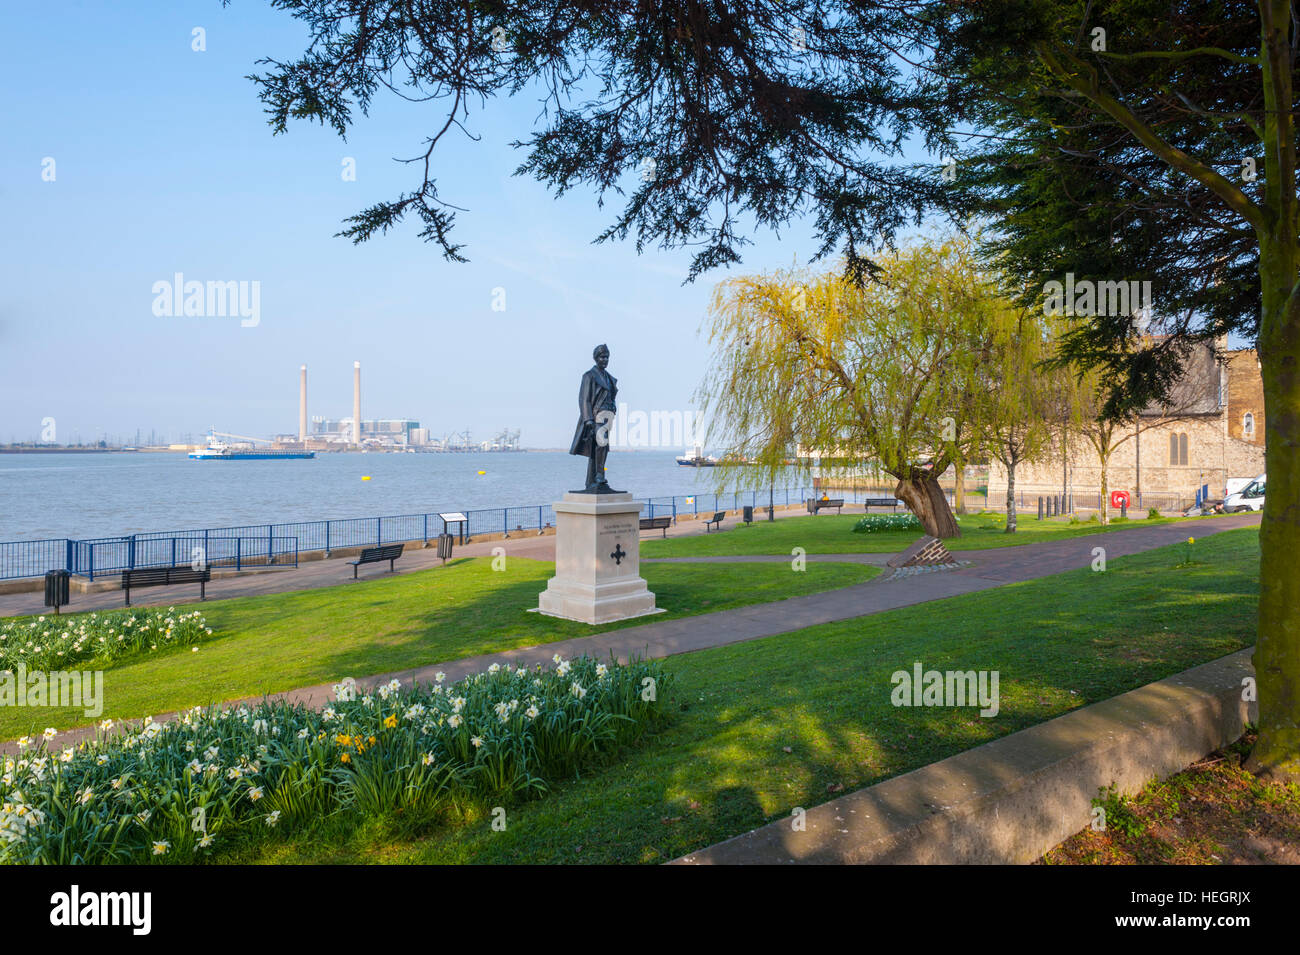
(1123, 508)
(1040, 507)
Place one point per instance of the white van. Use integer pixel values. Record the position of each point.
(1249, 498)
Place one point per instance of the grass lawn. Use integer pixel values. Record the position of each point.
(833, 534)
(279, 642)
(794, 719)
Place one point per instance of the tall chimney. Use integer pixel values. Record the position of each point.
(356, 403)
(302, 404)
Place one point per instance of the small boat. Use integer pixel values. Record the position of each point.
(696, 459)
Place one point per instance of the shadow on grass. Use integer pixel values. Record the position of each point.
(722, 767)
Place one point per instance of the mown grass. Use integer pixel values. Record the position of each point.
(277, 642)
(794, 719)
(833, 534)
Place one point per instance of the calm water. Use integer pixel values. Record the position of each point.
(100, 495)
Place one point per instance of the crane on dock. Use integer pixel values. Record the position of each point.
(213, 434)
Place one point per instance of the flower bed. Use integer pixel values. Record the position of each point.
(53, 643)
(174, 792)
(876, 523)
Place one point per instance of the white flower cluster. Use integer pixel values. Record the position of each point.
(276, 766)
(53, 643)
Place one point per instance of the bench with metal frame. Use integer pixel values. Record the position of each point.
(656, 524)
(377, 555)
(889, 502)
(715, 519)
(815, 505)
(165, 577)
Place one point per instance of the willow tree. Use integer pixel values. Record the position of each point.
(874, 375)
(1017, 407)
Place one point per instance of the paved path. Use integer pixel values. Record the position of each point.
(988, 569)
(309, 575)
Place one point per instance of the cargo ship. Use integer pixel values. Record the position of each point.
(247, 454)
(218, 451)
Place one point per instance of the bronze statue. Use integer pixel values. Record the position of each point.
(596, 410)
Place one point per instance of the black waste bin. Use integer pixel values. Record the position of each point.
(747, 514)
(445, 542)
(56, 588)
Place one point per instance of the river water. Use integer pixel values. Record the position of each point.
(101, 495)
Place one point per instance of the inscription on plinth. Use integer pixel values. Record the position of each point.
(597, 561)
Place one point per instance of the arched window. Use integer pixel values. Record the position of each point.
(1178, 450)
(1248, 426)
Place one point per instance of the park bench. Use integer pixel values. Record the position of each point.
(715, 519)
(377, 555)
(889, 502)
(164, 577)
(835, 502)
(656, 524)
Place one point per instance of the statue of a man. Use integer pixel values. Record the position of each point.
(595, 417)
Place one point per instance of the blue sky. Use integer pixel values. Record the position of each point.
(164, 163)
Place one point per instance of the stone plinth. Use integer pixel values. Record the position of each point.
(597, 561)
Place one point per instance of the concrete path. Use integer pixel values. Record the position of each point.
(988, 569)
(311, 574)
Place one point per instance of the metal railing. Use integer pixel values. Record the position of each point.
(252, 544)
(280, 544)
(108, 555)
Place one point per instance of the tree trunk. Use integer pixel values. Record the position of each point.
(924, 498)
(1011, 497)
(1277, 648)
(1104, 512)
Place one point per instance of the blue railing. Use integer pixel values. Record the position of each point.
(208, 548)
(279, 544)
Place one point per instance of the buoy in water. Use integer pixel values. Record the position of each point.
(365, 477)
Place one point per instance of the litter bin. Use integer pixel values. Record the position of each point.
(748, 514)
(56, 588)
(445, 542)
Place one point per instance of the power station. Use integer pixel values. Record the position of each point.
(377, 434)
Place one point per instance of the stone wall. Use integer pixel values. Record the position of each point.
(1212, 458)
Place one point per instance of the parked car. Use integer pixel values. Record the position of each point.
(1249, 498)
